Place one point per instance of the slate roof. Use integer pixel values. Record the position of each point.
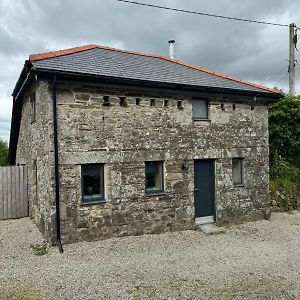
(117, 63)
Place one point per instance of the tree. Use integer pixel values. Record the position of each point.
(284, 129)
(3, 153)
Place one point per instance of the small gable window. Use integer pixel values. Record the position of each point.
(92, 176)
(200, 109)
(154, 177)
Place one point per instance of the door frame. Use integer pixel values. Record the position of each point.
(206, 219)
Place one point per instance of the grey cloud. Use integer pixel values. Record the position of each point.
(4, 130)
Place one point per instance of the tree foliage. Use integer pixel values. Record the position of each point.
(284, 130)
(3, 153)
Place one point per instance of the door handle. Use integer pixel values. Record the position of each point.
(196, 190)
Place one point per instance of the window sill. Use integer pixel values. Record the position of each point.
(92, 202)
(202, 120)
(159, 193)
(239, 185)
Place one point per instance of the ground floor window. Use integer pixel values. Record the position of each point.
(154, 177)
(237, 171)
(92, 178)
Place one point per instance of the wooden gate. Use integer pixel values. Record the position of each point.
(13, 192)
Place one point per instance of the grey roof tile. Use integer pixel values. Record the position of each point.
(105, 62)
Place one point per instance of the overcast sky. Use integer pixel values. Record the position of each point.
(253, 52)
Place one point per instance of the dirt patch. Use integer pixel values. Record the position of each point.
(17, 293)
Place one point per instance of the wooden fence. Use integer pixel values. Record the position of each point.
(13, 192)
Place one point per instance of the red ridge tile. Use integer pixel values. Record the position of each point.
(39, 56)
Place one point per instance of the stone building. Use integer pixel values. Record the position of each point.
(124, 143)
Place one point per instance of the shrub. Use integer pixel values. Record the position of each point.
(284, 129)
(282, 169)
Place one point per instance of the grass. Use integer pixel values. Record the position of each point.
(40, 250)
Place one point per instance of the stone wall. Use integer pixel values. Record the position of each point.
(34, 150)
(123, 136)
(285, 197)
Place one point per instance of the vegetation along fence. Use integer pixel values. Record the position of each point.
(13, 192)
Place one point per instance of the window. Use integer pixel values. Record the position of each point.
(200, 109)
(92, 183)
(33, 107)
(237, 171)
(154, 177)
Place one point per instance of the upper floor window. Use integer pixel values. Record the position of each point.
(154, 177)
(92, 183)
(33, 106)
(200, 109)
(237, 171)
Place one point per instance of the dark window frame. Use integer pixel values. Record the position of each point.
(241, 171)
(102, 185)
(207, 109)
(155, 191)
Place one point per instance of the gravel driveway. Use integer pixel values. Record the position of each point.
(258, 260)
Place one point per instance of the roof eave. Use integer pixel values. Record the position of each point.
(23, 83)
(24, 72)
(80, 77)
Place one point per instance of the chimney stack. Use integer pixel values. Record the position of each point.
(171, 49)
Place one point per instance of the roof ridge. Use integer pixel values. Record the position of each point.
(51, 54)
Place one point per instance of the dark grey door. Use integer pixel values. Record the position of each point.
(204, 181)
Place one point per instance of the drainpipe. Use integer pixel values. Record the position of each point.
(56, 170)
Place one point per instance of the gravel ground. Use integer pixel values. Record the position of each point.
(257, 260)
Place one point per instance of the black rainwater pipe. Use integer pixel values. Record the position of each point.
(56, 170)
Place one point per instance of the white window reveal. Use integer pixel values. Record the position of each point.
(237, 171)
(154, 177)
(200, 109)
